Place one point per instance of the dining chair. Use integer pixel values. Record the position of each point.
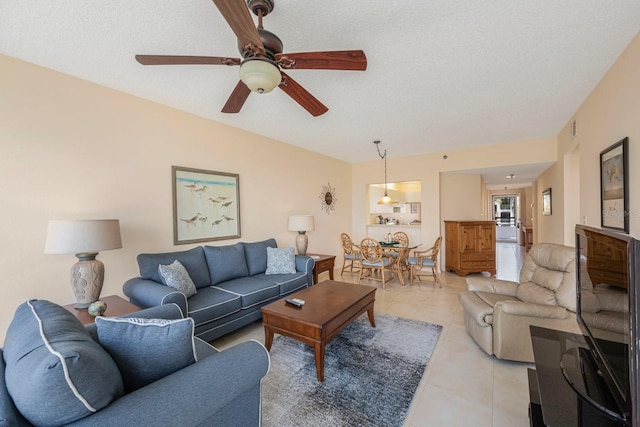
(403, 240)
(373, 260)
(401, 237)
(422, 261)
(352, 256)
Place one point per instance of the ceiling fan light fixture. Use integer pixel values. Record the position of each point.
(260, 75)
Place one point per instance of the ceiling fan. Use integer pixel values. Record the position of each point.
(262, 58)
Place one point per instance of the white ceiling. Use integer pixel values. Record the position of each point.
(441, 74)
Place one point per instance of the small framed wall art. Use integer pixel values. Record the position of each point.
(206, 205)
(614, 186)
(546, 202)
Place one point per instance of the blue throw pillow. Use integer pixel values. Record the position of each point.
(176, 276)
(146, 350)
(281, 261)
(55, 372)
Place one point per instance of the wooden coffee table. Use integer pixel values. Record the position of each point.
(329, 307)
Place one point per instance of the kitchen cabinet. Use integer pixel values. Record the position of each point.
(413, 197)
(470, 247)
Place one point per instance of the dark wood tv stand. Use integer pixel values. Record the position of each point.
(553, 402)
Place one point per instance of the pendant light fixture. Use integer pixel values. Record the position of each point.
(386, 200)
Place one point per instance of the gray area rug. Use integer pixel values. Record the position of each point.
(371, 375)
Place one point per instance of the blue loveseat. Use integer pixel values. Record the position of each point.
(53, 371)
(231, 284)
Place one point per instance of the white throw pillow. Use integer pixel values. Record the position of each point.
(176, 276)
(281, 261)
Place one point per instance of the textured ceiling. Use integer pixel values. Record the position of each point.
(441, 74)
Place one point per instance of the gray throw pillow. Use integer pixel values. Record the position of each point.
(176, 276)
(281, 261)
(55, 372)
(146, 350)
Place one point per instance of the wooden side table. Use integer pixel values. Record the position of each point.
(323, 263)
(116, 306)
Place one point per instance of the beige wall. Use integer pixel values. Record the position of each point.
(610, 113)
(73, 149)
(550, 228)
(461, 197)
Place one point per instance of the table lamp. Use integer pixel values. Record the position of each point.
(84, 238)
(301, 224)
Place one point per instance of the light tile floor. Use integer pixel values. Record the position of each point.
(462, 385)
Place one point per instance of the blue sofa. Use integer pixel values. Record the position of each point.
(231, 284)
(221, 388)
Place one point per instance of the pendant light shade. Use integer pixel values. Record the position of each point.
(385, 200)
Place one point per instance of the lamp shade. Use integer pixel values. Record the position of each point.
(82, 236)
(386, 200)
(260, 75)
(301, 223)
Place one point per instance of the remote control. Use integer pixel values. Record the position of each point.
(295, 301)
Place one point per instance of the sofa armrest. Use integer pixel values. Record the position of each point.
(518, 308)
(191, 395)
(305, 264)
(491, 285)
(147, 293)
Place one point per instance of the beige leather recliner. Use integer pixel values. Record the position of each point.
(497, 313)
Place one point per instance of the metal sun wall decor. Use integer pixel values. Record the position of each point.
(206, 205)
(328, 198)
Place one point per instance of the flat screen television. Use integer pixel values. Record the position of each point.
(608, 306)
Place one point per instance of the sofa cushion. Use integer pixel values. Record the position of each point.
(281, 261)
(287, 282)
(226, 262)
(177, 277)
(212, 303)
(146, 350)
(193, 260)
(55, 372)
(256, 255)
(251, 290)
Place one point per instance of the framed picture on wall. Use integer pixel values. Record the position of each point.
(614, 186)
(546, 202)
(206, 205)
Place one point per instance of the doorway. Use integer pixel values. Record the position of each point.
(505, 212)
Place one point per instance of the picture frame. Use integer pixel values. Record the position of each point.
(206, 205)
(546, 202)
(614, 186)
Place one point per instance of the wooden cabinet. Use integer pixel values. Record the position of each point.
(470, 247)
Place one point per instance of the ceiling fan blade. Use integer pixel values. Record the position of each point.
(236, 100)
(237, 15)
(354, 60)
(185, 60)
(302, 97)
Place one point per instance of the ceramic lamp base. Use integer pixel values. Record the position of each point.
(87, 277)
(302, 241)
